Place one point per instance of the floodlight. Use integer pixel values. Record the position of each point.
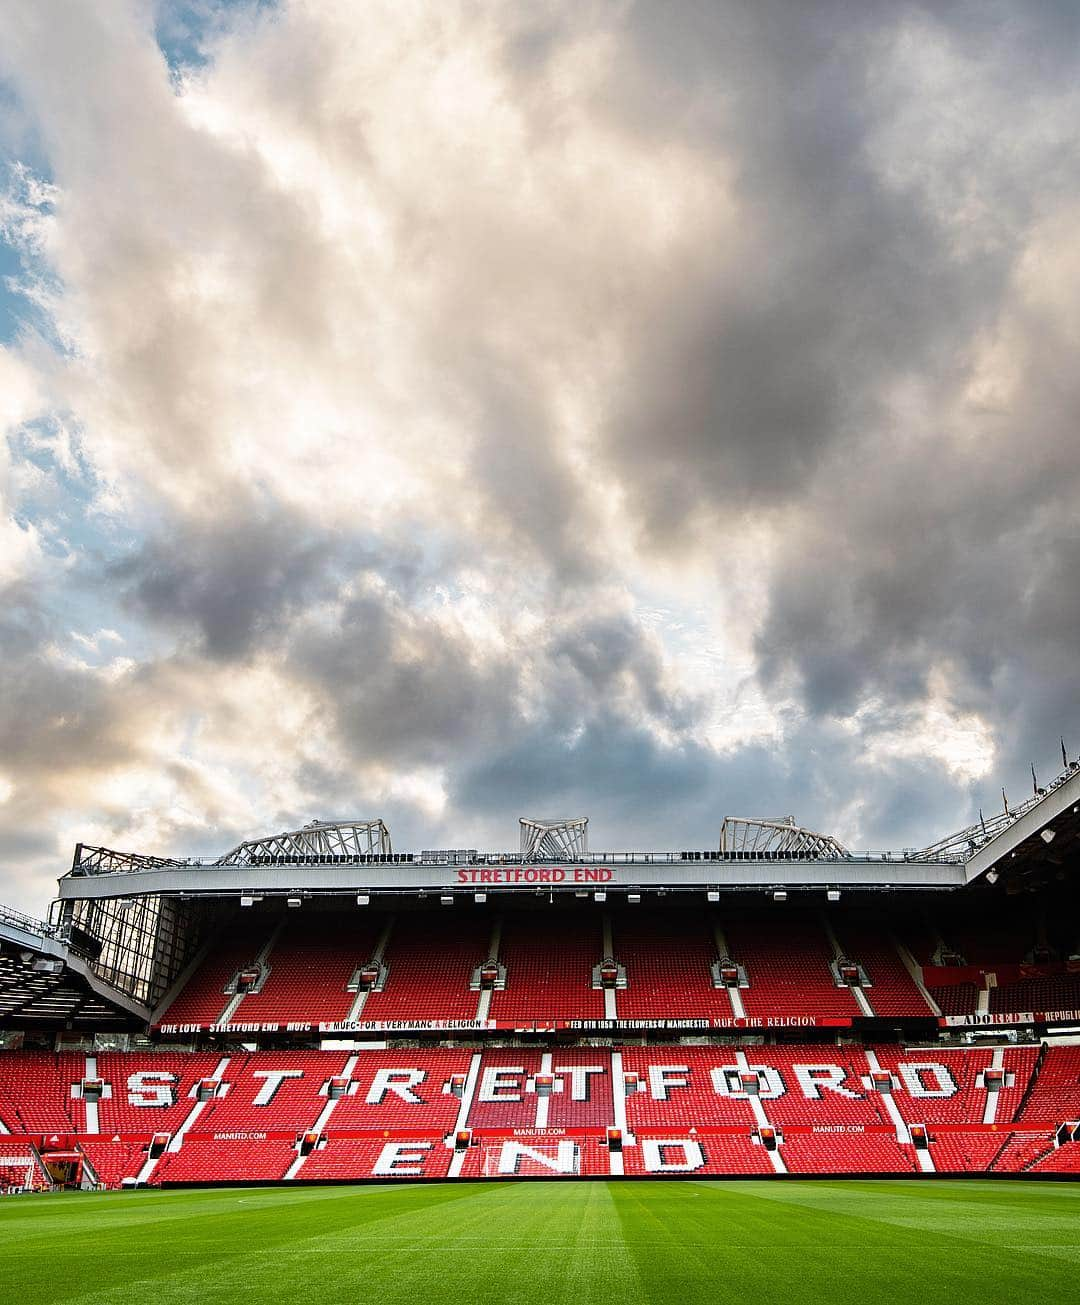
(833, 895)
(712, 895)
(599, 895)
(363, 899)
(780, 895)
(1048, 835)
(294, 901)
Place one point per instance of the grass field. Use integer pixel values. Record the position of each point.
(752, 1242)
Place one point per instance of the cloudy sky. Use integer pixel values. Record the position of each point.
(450, 412)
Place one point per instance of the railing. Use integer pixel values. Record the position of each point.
(27, 923)
(118, 863)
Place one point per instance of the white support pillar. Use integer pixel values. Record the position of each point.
(457, 1160)
(197, 1108)
(763, 1121)
(91, 1107)
(734, 995)
(320, 1123)
(915, 970)
(377, 956)
(618, 1102)
(891, 1108)
(260, 960)
(611, 1006)
(483, 1006)
(997, 1061)
(543, 1103)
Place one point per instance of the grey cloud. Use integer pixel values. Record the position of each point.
(793, 362)
(234, 582)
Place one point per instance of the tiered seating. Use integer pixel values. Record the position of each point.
(512, 1107)
(793, 1106)
(590, 1155)
(204, 997)
(1021, 1062)
(1056, 1094)
(787, 962)
(140, 1081)
(114, 1161)
(892, 991)
(852, 1153)
(668, 961)
(294, 1105)
(964, 1101)
(310, 966)
(431, 962)
(722, 1153)
(15, 1154)
(1063, 1160)
(1043, 993)
(437, 1110)
(549, 969)
(692, 1105)
(226, 1161)
(597, 1109)
(38, 1086)
(1022, 1149)
(964, 1153)
(351, 1158)
(956, 998)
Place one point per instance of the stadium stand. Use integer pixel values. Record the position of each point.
(1040, 992)
(310, 965)
(668, 959)
(892, 991)
(148, 1091)
(827, 1153)
(876, 1013)
(400, 1089)
(549, 969)
(822, 1098)
(204, 998)
(20, 1167)
(430, 964)
(227, 1160)
(346, 1158)
(1055, 1094)
(35, 1092)
(112, 1162)
(787, 961)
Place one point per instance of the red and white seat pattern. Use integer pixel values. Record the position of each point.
(396, 1113)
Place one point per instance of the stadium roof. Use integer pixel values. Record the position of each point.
(346, 856)
(45, 981)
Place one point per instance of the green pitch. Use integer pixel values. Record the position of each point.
(755, 1243)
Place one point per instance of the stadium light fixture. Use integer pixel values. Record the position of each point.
(991, 876)
(481, 898)
(833, 895)
(1048, 835)
(633, 898)
(447, 899)
(780, 895)
(248, 900)
(294, 901)
(712, 895)
(363, 899)
(599, 895)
